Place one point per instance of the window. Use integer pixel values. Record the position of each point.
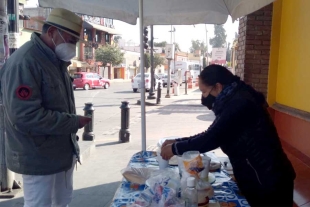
(88, 53)
(77, 76)
(88, 35)
(107, 38)
(197, 67)
(98, 36)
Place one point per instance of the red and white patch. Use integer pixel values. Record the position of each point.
(23, 92)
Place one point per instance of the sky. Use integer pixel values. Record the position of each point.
(183, 35)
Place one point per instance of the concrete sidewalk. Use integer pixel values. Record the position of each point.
(96, 181)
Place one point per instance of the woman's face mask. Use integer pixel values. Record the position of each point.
(208, 101)
(65, 51)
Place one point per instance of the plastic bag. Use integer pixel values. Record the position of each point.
(162, 191)
(137, 175)
(167, 177)
(192, 162)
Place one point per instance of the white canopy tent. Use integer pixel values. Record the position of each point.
(160, 12)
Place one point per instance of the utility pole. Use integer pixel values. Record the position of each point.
(10, 8)
(207, 45)
(169, 65)
(152, 89)
(174, 45)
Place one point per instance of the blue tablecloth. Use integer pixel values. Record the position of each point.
(226, 190)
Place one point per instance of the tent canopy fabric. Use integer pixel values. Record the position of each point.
(90, 25)
(162, 12)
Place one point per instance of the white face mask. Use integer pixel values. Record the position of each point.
(65, 51)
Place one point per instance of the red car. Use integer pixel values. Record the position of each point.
(89, 80)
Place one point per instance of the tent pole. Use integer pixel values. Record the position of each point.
(142, 83)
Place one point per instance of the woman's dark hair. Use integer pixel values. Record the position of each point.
(213, 74)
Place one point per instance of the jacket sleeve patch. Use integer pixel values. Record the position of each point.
(23, 92)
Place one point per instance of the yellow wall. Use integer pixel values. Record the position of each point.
(293, 75)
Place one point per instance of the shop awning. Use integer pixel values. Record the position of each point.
(109, 30)
(78, 64)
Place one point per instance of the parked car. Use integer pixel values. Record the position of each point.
(135, 82)
(161, 75)
(172, 80)
(89, 80)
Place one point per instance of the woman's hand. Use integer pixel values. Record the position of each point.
(166, 152)
(167, 142)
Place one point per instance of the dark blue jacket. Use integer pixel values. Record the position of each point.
(245, 132)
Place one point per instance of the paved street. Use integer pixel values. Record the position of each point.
(97, 179)
(107, 103)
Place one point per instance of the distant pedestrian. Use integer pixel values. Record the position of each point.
(40, 117)
(245, 132)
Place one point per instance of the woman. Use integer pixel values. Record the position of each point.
(245, 132)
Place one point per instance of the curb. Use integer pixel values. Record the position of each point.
(120, 80)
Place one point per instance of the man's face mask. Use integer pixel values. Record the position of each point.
(208, 101)
(65, 51)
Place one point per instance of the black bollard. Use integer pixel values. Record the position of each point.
(158, 93)
(124, 133)
(88, 134)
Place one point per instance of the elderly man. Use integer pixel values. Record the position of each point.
(40, 117)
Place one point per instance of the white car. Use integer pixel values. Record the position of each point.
(136, 82)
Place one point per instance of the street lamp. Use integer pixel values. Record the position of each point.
(173, 31)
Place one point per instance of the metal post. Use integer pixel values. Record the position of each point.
(124, 133)
(168, 81)
(88, 134)
(207, 60)
(152, 89)
(158, 93)
(13, 14)
(8, 186)
(143, 119)
(3, 36)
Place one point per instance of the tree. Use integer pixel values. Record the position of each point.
(117, 38)
(204, 63)
(160, 44)
(219, 39)
(158, 60)
(109, 54)
(147, 60)
(198, 45)
(177, 47)
(228, 53)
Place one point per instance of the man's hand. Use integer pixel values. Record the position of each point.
(83, 120)
(171, 141)
(166, 152)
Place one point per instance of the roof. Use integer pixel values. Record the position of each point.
(109, 30)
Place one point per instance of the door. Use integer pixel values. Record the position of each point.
(96, 81)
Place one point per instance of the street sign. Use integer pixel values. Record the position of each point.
(169, 51)
(219, 55)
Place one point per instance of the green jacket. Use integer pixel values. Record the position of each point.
(39, 111)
